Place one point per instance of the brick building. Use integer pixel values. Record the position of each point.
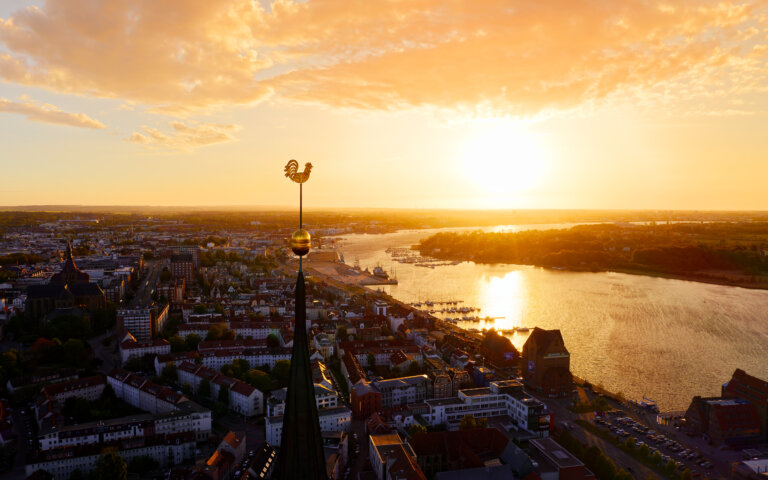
(545, 363)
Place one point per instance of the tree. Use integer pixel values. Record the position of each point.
(416, 428)
(258, 379)
(169, 373)
(142, 465)
(77, 474)
(223, 395)
(110, 466)
(482, 422)
(468, 421)
(75, 353)
(192, 340)
(165, 275)
(78, 408)
(272, 340)
(630, 443)
(656, 458)
(204, 389)
(199, 309)
(670, 466)
(186, 389)
(645, 451)
(371, 360)
(177, 344)
(686, 475)
(281, 372)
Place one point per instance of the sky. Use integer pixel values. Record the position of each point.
(604, 104)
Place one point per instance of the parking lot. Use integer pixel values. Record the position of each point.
(625, 428)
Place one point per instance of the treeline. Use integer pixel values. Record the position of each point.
(673, 248)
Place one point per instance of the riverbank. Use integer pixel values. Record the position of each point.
(698, 278)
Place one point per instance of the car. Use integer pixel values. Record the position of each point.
(695, 474)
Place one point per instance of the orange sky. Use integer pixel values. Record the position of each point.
(420, 103)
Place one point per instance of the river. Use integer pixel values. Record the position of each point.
(642, 336)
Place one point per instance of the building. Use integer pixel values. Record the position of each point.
(338, 419)
(183, 266)
(752, 389)
(70, 288)
(754, 469)
(365, 399)
(142, 393)
(391, 459)
(167, 450)
(143, 323)
(324, 398)
(545, 364)
(396, 392)
(502, 398)
(724, 420)
(554, 461)
(137, 321)
(131, 348)
(467, 449)
(244, 399)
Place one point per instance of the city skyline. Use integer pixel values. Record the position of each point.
(424, 105)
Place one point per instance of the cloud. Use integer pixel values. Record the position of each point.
(512, 57)
(185, 137)
(46, 113)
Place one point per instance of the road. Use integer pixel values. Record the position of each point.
(143, 296)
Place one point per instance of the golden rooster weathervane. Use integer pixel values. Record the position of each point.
(300, 240)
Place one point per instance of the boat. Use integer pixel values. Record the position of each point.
(649, 404)
(523, 329)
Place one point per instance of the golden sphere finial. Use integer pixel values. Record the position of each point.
(300, 242)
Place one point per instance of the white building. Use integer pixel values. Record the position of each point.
(505, 397)
(255, 357)
(133, 349)
(244, 399)
(324, 398)
(331, 420)
(138, 321)
(142, 393)
(167, 450)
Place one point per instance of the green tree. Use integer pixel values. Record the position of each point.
(223, 396)
(204, 389)
(169, 373)
(75, 353)
(468, 421)
(281, 371)
(165, 275)
(77, 474)
(371, 360)
(686, 475)
(142, 465)
(645, 451)
(110, 466)
(656, 458)
(630, 443)
(482, 422)
(200, 309)
(177, 344)
(258, 379)
(416, 428)
(272, 340)
(670, 466)
(186, 389)
(192, 340)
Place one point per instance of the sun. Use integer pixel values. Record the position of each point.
(503, 158)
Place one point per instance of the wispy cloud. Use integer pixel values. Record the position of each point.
(46, 113)
(517, 57)
(184, 137)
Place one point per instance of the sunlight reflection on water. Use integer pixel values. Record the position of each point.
(666, 339)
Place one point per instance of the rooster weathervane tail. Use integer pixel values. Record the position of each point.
(291, 171)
